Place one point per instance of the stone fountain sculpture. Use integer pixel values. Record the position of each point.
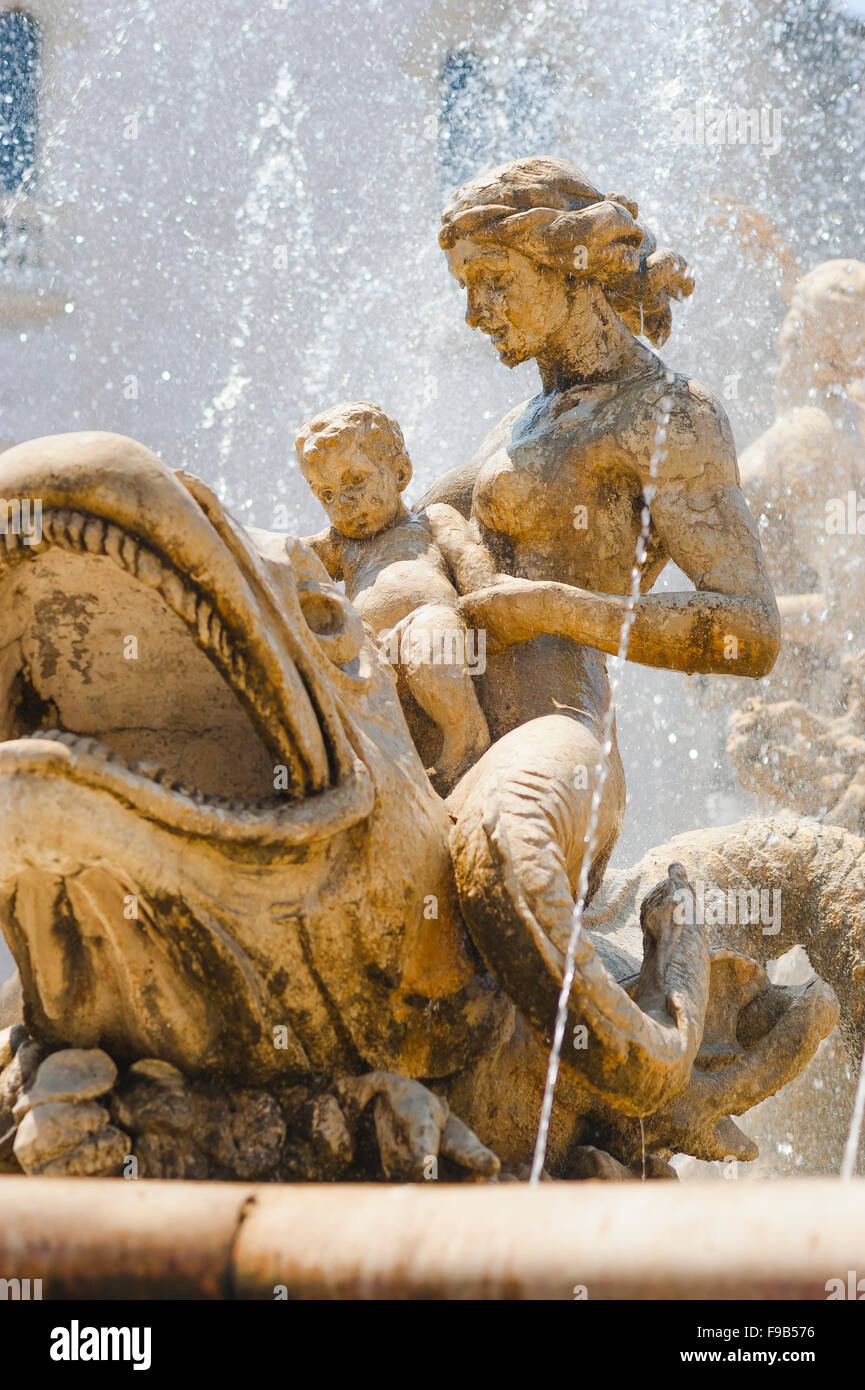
(253, 940)
(800, 742)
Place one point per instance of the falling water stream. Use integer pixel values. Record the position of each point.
(278, 173)
(662, 419)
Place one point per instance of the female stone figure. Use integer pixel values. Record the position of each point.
(801, 742)
(556, 272)
(799, 473)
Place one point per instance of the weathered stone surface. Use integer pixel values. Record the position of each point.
(591, 1163)
(102, 1155)
(587, 1162)
(330, 1134)
(184, 1128)
(152, 1069)
(11, 1039)
(257, 1134)
(765, 1240)
(8, 1162)
(460, 1146)
(145, 1102)
(408, 1118)
(10, 1002)
(164, 1155)
(74, 1074)
(48, 1130)
(162, 1112)
(21, 1070)
(15, 1079)
(320, 1144)
(413, 1128)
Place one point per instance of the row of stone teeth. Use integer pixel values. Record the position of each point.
(145, 767)
(81, 533)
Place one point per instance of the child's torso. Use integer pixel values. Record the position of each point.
(395, 572)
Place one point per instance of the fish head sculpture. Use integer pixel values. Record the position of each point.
(219, 844)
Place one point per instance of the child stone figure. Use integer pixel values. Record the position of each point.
(403, 571)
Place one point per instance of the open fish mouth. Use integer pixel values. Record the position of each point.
(147, 647)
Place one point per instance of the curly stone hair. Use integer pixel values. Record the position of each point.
(550, 212)
(356, 422)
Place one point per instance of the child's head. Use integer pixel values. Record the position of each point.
(354, 458)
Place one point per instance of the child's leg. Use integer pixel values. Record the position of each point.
(433, 659)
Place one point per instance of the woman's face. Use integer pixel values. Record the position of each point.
(517, 303)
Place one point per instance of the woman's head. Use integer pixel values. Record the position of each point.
(527, 238)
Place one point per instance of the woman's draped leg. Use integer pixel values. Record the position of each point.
(522, 815)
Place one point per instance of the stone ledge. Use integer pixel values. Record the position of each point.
(146, 1240)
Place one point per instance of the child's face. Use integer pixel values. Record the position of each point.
(360, 494)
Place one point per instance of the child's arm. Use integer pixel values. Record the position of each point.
(465, 554)
(327, 545)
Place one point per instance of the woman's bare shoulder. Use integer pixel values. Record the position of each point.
(681, 433)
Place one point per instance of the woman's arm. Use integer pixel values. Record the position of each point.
(459, 542)
(729, 626)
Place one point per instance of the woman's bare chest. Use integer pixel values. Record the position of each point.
(569, 513)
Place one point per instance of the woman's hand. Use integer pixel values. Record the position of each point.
(515, 610)
(495, 611)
